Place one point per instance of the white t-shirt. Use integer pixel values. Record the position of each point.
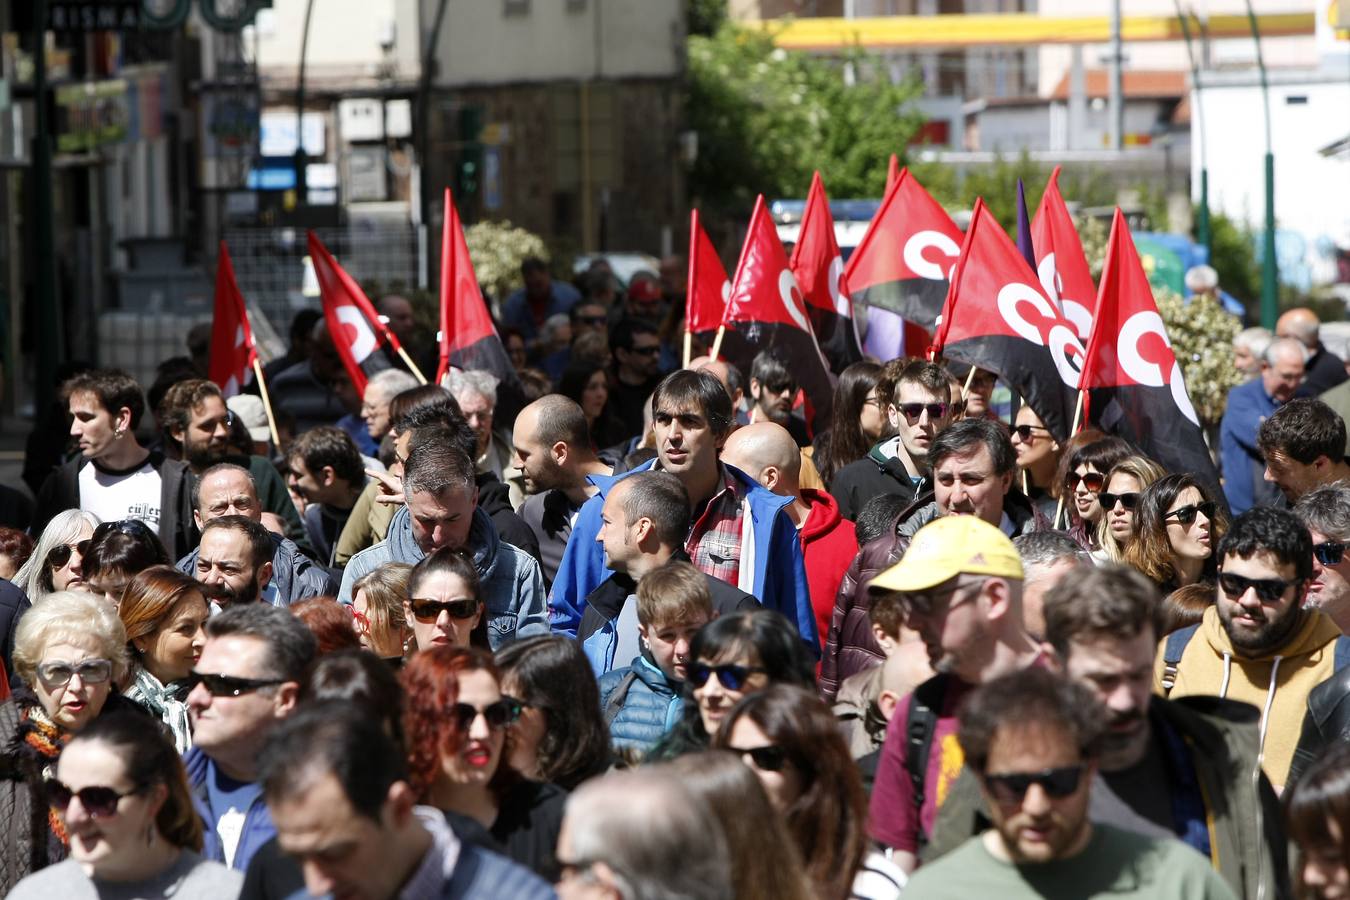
(113, 496)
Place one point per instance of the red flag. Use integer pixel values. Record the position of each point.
(1134, 382)
(355, 327)
(468, 339)
(819, 269)
(905, 259)
(708, 288)
(998, 318)
(232, 347)
(892, 172)
(768, 311)
(1060, 262)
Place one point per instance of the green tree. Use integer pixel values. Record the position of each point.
(706, 16)
(1233, 256)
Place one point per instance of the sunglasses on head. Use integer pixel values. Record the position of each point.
(91, 671)
(59, 555)
(1329, 553)
(430, 610)
(1024, 432)
(1268, 590)
(1186, 514)
(766, 759)
(498, 715)
(99, 802)
(732, 677)
(1011, 788)
(1093, 481)
(230, 685)
(1108, 501)
(914, 410)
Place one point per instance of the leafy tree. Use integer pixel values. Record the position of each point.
(706, 16)
(1233, 256)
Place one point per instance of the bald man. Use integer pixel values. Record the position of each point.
(767, 453)
(1324, 369)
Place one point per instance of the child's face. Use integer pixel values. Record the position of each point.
(669, 644)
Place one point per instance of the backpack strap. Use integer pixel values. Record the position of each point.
(920, 727)
(1174, 646)
(616, 700)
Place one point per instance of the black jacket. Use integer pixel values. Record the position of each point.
(1326, 722)
(494, 498)
(13, 603)
(871, 476)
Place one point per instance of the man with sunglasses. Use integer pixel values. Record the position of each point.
(1304, 446)
(1034, 741)
(1282, 368)
(246, 681)
(637, 368)
(772, 388)
(1258, 644)
(1325, 511)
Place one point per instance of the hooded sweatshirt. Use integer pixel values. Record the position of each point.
(829, 544)
(1276, 682)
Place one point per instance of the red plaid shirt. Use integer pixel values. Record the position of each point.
(714, 543)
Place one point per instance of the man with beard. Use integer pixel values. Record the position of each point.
(1257, 643)
(772, 388)
(1034, 741)
(196, 418)
(556, 460)
(1167, 768)
(1326, 513)
(961, 587)
(234, 562)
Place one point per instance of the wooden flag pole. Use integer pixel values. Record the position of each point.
(1077, 412)
(717, 341)
(412, 366)
(267, 404)
(688, 344)
(965, 391)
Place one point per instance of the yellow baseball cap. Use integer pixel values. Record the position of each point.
(949, 546)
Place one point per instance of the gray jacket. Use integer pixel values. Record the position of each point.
(296, 576)
(513, 587)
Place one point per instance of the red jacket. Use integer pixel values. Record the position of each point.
(829, 544)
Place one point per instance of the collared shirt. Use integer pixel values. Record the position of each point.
(714, 543)
(438, 865)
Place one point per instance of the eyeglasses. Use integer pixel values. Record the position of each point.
(230, 685)
(926, 603)
(1186, 514)
(498, 715)
(914, 410)
(100, 802)
(1093, 481)
(59, 555)
(732, 677)
(430, 610)
(647, 351)
(1023, 432)
(360, 622)
(91, 671)
(1329, 553)
(766, 759)
(1268, 590)
(1108, 501)
(1011, 788)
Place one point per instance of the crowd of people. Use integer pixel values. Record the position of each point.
(614, 627)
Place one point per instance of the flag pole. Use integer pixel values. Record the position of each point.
(717, 341)
(267, 404)
(688, 344)
(965, 391)
(689, 287)
(412, 366)
(1073, 429)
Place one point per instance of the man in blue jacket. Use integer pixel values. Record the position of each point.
(740, 532)
(1249, 405)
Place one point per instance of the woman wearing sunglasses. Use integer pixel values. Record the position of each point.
(444, 605)
(1124, 485)
(118, 551)
(120, 793)
(1085, 478)
(733, 656)
(69, 649)
(792, 743)
(164, 612)
(1038, 455)
(57, 561)
(1177, 526)
(456, 721)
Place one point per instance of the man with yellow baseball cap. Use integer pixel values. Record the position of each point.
(961, 586)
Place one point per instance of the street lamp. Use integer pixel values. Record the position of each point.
(1270, 300)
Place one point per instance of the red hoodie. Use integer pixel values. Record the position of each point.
(829, 544)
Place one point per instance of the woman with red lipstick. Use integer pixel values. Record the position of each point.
(1177, 525)
(456, 721)
(164, 612)
(1085, 468)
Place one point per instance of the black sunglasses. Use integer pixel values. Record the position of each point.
(732, 677)
(498, 715)
(430, 610)
(230, 685)
(914, 410)
(1012, 787)
(647, 351)
(1108, 501)
(1329, 553)
(1093, 481)
(1186, 514)
(1024, 431)
(1268, 590)
(766, 759)
(99, 802)
(59, 555)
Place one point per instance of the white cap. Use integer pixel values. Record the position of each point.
(250, 409)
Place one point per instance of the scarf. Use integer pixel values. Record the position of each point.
(45, 739)
(164, 702)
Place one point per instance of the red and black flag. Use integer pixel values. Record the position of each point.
(1133, 380)
(768, 312)
(232, 349)
(355, 327)
(1060, 261)
(998, 318)
(468, 339)
(906, 257)
(818, 267)
(708, 289)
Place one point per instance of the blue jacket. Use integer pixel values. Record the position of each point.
(1243, 465)
(779, 574)
(513, 586)
(258, 827)
(646, 712)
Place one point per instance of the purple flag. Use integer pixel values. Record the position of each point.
(1024, 245)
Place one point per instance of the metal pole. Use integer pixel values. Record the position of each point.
(301, 188)
(424, 137)
(48, 312)
(1115, 98)
(1270, 276)
(1202, 233)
